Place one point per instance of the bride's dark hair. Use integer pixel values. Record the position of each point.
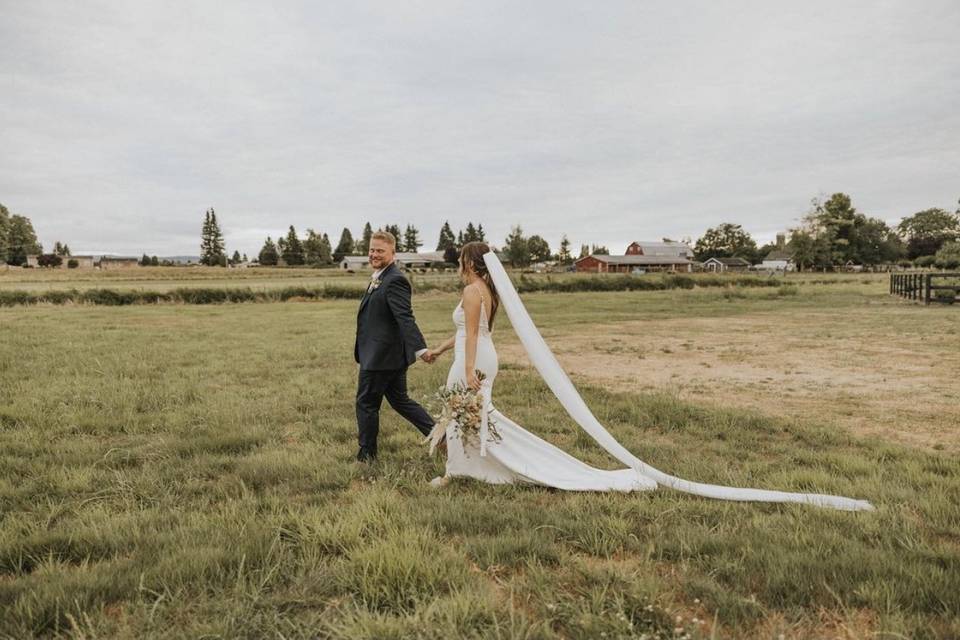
(472, 255)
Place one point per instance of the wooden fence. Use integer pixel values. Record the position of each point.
(924, 286)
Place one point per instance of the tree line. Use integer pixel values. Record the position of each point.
(833, 233)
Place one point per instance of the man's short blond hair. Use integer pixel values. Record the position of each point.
(386, 236)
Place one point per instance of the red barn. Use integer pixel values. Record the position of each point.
(630, 264)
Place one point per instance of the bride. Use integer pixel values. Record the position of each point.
(519, 456)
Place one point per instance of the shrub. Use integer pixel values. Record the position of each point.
(73, 263)
(108, 297)
(948, 257)
(342, 292)
(49, 260)
(298, 292)
(924, 261)
(11, 298)
(59, 297)
(241, 295)
(204, 295)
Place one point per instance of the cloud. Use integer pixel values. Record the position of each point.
(124, 122)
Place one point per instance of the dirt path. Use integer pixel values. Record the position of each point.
(876, 382)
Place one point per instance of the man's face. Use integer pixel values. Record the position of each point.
(380, 253)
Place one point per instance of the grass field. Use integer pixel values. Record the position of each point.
(186, 471)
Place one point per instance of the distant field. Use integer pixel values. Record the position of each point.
(186, 471)
(166, 278)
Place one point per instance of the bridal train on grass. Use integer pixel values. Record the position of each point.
(520, 456)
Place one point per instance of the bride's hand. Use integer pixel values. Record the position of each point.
(473, 381)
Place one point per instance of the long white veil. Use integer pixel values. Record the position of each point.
(555, 377)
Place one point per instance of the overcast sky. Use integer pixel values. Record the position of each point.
(123, 121)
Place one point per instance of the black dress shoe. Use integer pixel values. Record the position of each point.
(365, 455)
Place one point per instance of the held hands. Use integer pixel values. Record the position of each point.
(430, 356)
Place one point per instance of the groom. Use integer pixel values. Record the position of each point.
(388, 341)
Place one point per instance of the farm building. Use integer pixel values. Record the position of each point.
(666, 248)
(632, 264)
(110, 262)
(354, 263)
(418, 260)
(778, 260)
(719, 265)
(404, 260)
(83, 262)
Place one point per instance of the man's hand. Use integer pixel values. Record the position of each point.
(428, 356)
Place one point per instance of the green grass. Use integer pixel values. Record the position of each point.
(186, 471)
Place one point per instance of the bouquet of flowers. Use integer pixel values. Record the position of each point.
(466, 409)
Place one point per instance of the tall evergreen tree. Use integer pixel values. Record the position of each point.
(363, 245)
(154, 261)
(481, 236)
(447, 238)
(212, 250)
(460, 239)
(411, 239)
(268, 254)
(470, 235)
(326, 250)
(144, 260)
(345, 246)
(245, 258)
(584, 251)
(563, 256)
(397, 233)
(293, 249)
(61, 249)
(235, 259)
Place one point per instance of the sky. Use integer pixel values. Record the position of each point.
(122, 122)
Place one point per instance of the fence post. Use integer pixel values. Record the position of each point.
(926, 289)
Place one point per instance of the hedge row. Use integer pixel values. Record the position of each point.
(210, 295)
(626, 282)
(191, 295)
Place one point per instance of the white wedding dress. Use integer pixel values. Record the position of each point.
(520, 456)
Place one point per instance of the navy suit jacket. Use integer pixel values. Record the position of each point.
(387, 334)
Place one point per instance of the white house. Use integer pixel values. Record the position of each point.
(406, 260)
(719, 265)
(778, 260)
(354, 263)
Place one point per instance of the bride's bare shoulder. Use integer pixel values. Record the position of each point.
(470, 296)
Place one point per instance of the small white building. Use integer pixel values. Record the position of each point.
(778, 260)
(720, 265)
(354, 263)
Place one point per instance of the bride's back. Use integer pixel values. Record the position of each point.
(486, 307)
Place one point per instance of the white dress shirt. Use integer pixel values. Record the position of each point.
(376, 274)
